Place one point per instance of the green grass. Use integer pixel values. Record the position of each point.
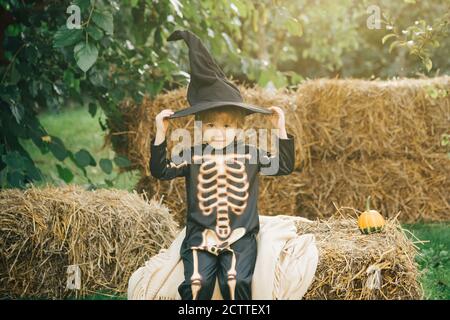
(78, 130)
(101, 295)
(434, 259)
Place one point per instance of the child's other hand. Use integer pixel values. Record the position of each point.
(278, 121)
(277, 118)
(161, 122)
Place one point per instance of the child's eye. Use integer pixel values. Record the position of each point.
(226, 126)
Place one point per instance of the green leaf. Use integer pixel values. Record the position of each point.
(435, 43)
(14, 75)
(66, 37)
(445, 140)
(271, 76)
(85, 54)
(84, 158)
(33, 88)
(98, 77)
(294, 27)
(83, 4)
(134, 3)
(104, 20)
(64, 173)
(106, 165)
(386, 37)
(57, 148)
(428, 64)
(394, 44)
(295, 77)
(68, 78)
(15, 179)
(18, 112)
(95, 32)
(76, 85)
(92, 109)
(241, 7)
(432, 92)
(13, 30)
(13, 160)
(32, 171)
(122, 161)
(102, 125)
(109, 183)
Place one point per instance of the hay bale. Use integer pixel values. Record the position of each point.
(417, 189)
(358, 119)
(111, 233)
(353, 266)
(108, 233)
(343, 124)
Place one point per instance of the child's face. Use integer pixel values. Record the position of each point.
(219, 130)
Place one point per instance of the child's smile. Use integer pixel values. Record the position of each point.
(219, 132)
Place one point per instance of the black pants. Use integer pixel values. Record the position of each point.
(211, 266)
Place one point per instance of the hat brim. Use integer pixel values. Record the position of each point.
(249, 108)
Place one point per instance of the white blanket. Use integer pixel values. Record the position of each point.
(285, 265)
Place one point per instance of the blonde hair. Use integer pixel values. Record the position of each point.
(233, 112)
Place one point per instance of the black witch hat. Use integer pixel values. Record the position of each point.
(208, 87)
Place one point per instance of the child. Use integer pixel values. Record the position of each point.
(222, 219)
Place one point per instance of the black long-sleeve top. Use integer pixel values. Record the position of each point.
(217, 186)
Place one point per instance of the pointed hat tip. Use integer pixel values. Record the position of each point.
(176, 35)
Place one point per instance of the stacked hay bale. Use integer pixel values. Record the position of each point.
(106, 233)
(111, 233)
(354, 266)
(354, 138)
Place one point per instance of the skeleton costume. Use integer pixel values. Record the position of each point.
(222, 219)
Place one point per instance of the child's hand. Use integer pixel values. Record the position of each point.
(161, 125)
(161, 122)
(278, 121)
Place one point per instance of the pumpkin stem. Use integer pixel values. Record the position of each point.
(368, 203)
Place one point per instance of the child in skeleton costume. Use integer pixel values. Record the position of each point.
(221, 179)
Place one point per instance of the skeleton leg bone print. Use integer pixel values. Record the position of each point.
(224, 182)
(196, 278)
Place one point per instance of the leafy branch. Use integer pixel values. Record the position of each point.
(421, 38)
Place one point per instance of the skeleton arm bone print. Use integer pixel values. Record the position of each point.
(279, 164)
(163, 168)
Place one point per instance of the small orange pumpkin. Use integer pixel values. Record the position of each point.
(370, 221)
